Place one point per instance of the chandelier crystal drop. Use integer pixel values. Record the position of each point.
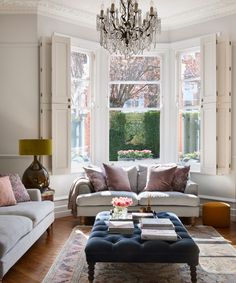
(125, 31)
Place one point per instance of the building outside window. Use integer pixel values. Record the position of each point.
(81, 66)
(134, 107)
(189, 107)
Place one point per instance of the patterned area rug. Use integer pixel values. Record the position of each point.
(217, 263)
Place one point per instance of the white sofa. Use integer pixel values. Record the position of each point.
(89, 203)
(20, 226)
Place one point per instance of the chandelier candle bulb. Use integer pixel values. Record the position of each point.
(123, 30)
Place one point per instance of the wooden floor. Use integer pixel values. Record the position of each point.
(34, 265)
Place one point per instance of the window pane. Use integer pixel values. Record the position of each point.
(134, 96)
(80, 109)
(80, 137)
(189, 136)
(190, 65)
(79, 65)
(190, 94)
(134, 131)
(189, 108)
(134, 69)
(80, 93)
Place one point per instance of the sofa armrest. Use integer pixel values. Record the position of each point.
(83, 186)
(35, 194)
(191, 188)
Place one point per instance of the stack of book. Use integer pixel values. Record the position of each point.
(158, 229)
(139, 215)
(157, 223)
(121, 227)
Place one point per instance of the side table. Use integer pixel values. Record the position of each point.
(48, 194)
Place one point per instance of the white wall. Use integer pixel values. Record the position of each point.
(19, 100)
(19, 92)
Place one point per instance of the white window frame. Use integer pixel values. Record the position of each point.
(139, 109)
(176, 49)
(195, 167)
(90, 107)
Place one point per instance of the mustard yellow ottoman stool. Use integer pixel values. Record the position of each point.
(216, 214)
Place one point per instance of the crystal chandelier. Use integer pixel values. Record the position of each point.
(125, 32)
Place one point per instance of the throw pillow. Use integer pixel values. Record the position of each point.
(180, 178)
(6, 193)
(142, 174)
(160, 179)
(97, 178)
(132, 175)
(117, 178)
(19, 190)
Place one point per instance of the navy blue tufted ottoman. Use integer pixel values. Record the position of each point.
(105, 247)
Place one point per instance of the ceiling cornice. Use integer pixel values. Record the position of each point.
(83, 18)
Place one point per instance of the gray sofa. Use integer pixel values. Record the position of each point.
(89, 203)
(20, 226)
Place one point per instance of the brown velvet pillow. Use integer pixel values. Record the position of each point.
(97, 179)
(160, 179)
(117, 178)
(180, 179)
(6, 193)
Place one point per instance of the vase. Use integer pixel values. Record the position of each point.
(119, 212)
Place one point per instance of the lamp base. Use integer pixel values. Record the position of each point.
(36, 176)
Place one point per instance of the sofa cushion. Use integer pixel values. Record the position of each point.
(104, 198)
(97, 178)
(18, 188)
(34, 210)
(168, 198)
(133, 177)
(6, 193)
(180, 179)
(11, 234)
(160, 179)
(117, 178)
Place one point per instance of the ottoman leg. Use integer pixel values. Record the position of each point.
(91, 266)
(193, 273)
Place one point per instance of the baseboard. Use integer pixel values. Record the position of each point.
(61, 207)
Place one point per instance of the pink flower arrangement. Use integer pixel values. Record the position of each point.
(122, 201)
(146, 153)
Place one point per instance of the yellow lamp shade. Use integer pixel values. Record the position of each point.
(35, 147)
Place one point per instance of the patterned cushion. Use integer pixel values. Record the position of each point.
(180, 178)
(160, 179)
(6, 193)
(18, 188)
(97, 178)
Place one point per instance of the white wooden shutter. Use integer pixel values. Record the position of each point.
(61, 97)
(61, 83)
(216, 52)
(45, 70)
(208, 105)
(46, 95)
(224, 61)
(61, 120)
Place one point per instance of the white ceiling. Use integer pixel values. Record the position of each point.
(173, 13)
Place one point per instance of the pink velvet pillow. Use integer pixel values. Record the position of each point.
(117, 178)
(160, 179)
(97, 179)
(6, 193)
(180, 179)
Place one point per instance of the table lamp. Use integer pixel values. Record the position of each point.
(35, 176)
